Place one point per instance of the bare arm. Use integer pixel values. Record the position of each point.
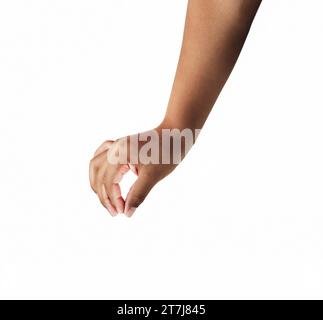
(214, 35)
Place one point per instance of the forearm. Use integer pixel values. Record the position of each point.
(215, 32)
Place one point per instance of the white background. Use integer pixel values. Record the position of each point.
(241, 217)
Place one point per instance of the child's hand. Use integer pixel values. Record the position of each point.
(106, 173)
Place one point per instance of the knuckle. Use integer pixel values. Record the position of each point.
(107, 143)
(121, 144)
(93, 163)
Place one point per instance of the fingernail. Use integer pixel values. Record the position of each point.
(131, 211)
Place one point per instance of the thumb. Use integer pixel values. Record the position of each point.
(138, 193)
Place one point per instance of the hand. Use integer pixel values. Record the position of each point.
(113, 159)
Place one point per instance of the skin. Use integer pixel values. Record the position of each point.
(215, 31)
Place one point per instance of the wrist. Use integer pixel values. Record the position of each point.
(169, 123)
(177, 129)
